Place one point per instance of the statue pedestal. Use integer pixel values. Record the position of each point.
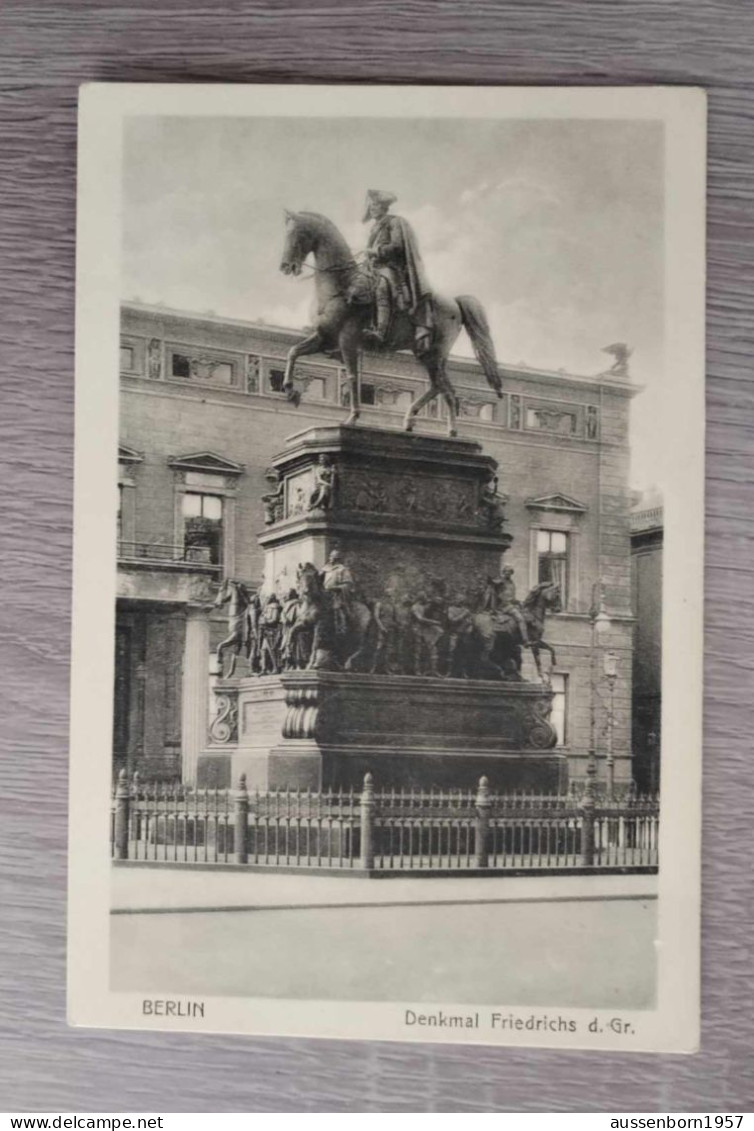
(403, 509)
(313, 730)
(401, 681)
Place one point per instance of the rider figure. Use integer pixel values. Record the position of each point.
(337, 580)
(399, 279)
(270, 632)
(460, 632)
(288, 617)
(500, 599)
(428, 628)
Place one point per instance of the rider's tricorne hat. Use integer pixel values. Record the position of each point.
(377, 196)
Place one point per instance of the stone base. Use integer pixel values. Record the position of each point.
(215, 769)
(314, 730)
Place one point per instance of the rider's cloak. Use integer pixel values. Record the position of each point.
(394, 240)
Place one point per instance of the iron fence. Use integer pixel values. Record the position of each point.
(380, 832)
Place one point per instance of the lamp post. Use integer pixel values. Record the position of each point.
(600, 622)
(610, 664)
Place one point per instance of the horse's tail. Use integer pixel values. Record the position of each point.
(477, 327)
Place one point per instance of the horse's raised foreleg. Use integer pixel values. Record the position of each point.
(312, 344)
(537, 647)
(222, 647)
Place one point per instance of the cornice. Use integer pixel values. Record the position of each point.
(619, 387)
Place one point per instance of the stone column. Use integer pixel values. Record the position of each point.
(195, 690)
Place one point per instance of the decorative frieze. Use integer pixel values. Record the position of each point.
(547, 418)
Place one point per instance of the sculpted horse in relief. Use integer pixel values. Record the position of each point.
(341, 320)
(316, 630)
(236, 596)
(501, 635)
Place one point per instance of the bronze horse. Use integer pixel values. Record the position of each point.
(341, 319)
(236, 596)
(501, 635)
(314, 629)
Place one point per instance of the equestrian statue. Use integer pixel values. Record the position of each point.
(381, 302)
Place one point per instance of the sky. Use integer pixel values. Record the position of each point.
(555, 226)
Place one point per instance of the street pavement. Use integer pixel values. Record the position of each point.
(568, 941)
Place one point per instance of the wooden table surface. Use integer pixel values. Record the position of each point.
(49, 47)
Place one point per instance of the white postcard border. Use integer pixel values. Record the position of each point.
(674, 1024)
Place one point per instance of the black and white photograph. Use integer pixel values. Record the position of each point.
(386, 707)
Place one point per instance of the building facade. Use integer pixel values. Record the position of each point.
(201, 415)
(646, 580)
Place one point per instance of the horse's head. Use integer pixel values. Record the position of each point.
(552, 598)
(299, 241)
(544, 598)
(223, 593)
(231, 590)
(308, 581)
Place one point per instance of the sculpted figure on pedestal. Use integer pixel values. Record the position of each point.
(492, 504)
(273, 500)
(253, 633)
(428, 626)
(461, 637)
(500, 599)
(323, 494)
(337, 580)
(270, 631)
(291, 655)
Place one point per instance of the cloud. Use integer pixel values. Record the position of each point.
(295, 314)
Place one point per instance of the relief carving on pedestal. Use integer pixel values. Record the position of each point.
(409, 622)
(405, 496)
(224, 726)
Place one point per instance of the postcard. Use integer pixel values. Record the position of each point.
(388, 577)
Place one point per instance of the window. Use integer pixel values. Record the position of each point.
(552, 560)
(127, 357)
(181, 366)
(368, 394)
(276, 378)
(559, 684)
(202, 527)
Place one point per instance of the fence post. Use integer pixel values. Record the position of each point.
(483, 806)
(367, 831)
(587, 827)
(241, 832)
(120, 832)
